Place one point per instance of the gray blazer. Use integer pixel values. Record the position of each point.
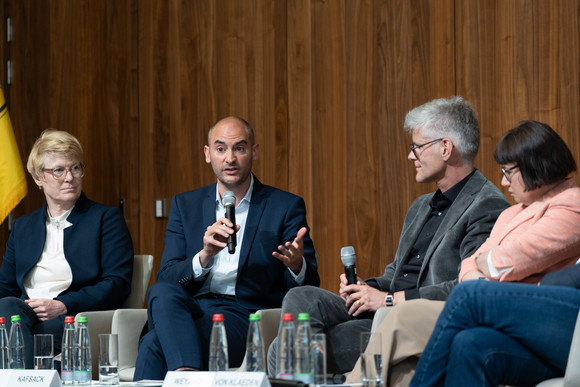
(466, 226)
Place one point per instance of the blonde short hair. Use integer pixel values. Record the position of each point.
(52, 142)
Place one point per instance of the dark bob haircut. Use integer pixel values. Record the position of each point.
(540, 153)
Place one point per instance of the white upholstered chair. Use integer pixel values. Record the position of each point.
(572, 376)
(126, 322)
(269, 320)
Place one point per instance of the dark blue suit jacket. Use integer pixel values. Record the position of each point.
(98, 249)
(274, 217)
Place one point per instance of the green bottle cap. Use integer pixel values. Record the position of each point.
(16, 317)
(82, 319)
(303, 317)
(254, 317)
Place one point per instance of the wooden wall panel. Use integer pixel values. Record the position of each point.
(519, 60)
(407, 67)
(90, 93)
(194, 70)
(326, 85)
(75, 70)
(27, 95)
(329, 147)
(300, 128)
(366, 73)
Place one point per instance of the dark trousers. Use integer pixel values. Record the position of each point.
(31, 325)
(180, 329)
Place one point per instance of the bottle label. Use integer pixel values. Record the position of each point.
(285, 376)
(67, 377)
(82, 377)
(304, 377)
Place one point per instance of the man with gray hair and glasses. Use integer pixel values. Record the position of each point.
(440, 230)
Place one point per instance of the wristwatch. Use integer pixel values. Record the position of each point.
(389, 300)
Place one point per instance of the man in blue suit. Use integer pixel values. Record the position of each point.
(199, 277)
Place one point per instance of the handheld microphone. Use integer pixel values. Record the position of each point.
(348, 258)
(229, 200)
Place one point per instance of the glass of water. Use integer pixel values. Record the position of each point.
(109, 359)
(371, 359)
(318, 347)
(43, 352)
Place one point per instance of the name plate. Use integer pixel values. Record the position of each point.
(216, 379)
(30, 378)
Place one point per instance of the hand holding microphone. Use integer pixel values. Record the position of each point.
(348, 258)
(360, 298)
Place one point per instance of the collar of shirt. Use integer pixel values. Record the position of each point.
(219, 204)
(60, 222)
(442, 200)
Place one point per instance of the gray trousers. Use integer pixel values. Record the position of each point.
(329, 315)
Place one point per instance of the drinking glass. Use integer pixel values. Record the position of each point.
(108, 359)
(318, 349)
(43, 352)
(371, 359)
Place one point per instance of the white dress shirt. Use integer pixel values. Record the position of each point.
(493, 271)
(52, 274)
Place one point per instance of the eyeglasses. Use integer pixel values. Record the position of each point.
(77, 171)
(414, 147)
(508, 172)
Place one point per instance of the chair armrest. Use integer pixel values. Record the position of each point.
(269, 321)
(128, 324)
(380, 315)
(572, 376)
(98, 322)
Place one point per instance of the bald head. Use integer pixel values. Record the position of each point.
(233, 120)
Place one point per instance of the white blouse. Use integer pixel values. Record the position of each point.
(52, 274)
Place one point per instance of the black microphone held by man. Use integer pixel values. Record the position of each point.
(229, 200)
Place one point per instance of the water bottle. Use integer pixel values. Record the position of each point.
(302, 354)
(4, 346)
(16, 344)
(255, 346)
(83, 367)
(218, 345)
(67, 365)
(285, 358)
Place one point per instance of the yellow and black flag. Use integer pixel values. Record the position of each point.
(12, 178)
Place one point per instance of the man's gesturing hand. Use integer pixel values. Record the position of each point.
(291, 253)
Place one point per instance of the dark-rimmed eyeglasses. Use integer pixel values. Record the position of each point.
(414, 147)
(77, 171)
(508, 172)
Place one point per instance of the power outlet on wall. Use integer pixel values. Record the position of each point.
(160, 209)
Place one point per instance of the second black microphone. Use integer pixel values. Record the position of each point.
(348, 258)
